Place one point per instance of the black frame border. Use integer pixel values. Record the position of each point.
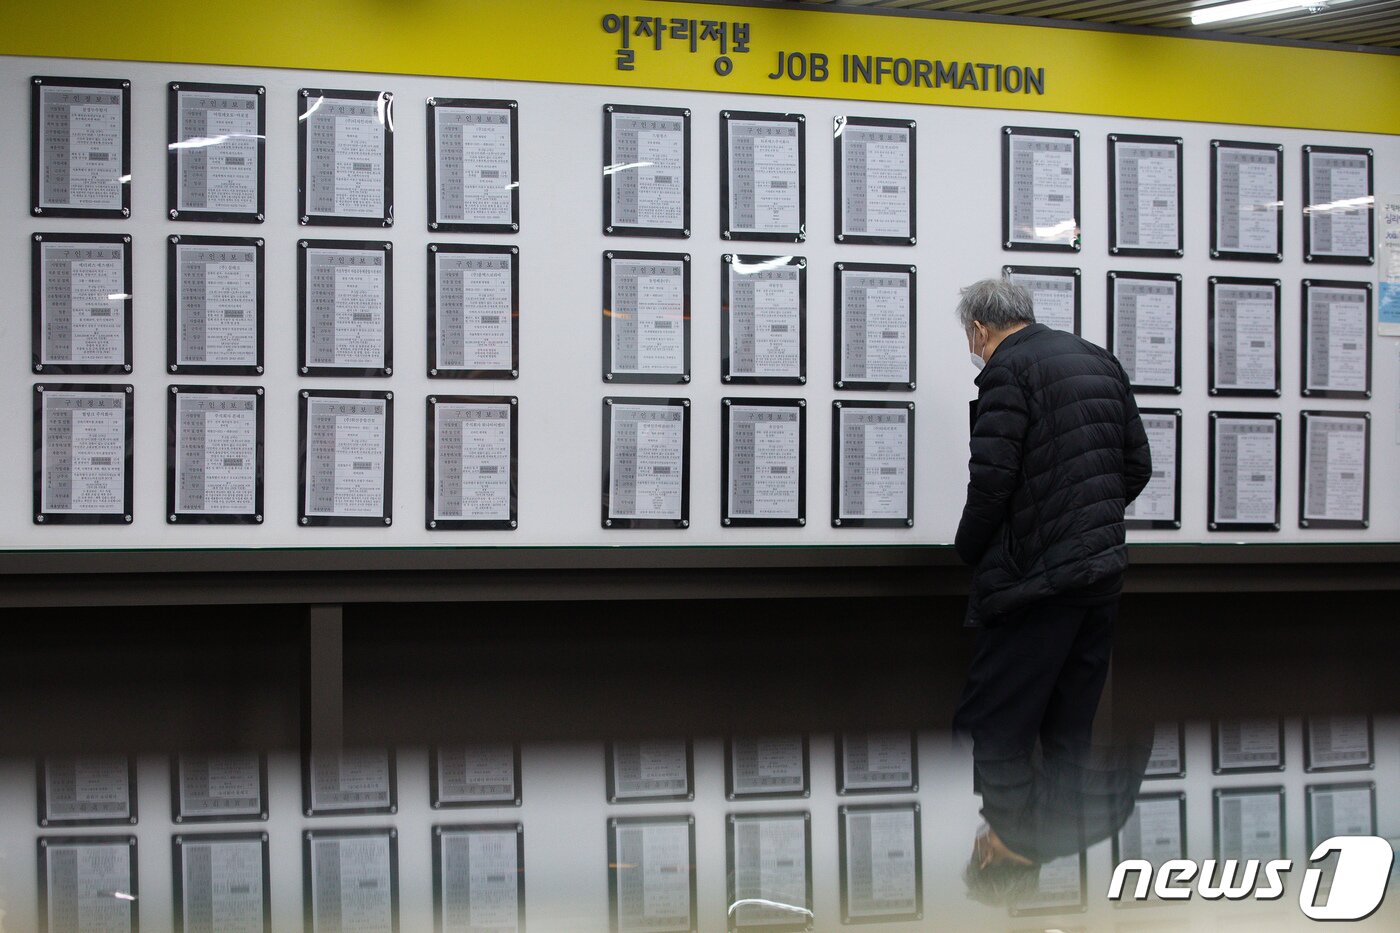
(384, 520)
(731, 794)
(614, 864)
(430, 465)
(305, 217)
(1112, 332)
(843, 812)
(616, 378)
(1073, 273)
(436, 224)
(173, 516)
(1008, 242)
(38, 365)
(837, 521)
(47, 822)
(308, 881)
(179, 817)
(731, 820)
(911, 788)
(1214, 390)
(839, 180)
(438, 372)
(684, 520)
(1214, 524)
(1114, 248)
(727, 261)
(1160, 524)
(177, 845)
(726, 231)
(172, 161)
(172, 304)
(304, 247)
(1353, 260)
(1310, 768)
(435, 785)
(610, 764)
(1218, 252)
(1275, 790)
(838, 316)
(1306, 318)
(36, 85)
(610, 225)
(43, 843)
(83, 518)
(1303, 460)
(730, 521)
(1217, 768)
(456, 828)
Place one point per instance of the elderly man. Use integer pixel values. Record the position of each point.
(1057, 452)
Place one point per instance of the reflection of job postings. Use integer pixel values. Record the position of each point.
(217, 314)
(1339, 216)
(474, 311)
(1245, 337)
(345, 308)
(1247, 198)
(1338, 741)
(476, 773)
(473, 160)
(874, 760)
(352, 884)
(80, 148)
(1334, 475)
(1246, 471)
(876, 174)
(1147, 196)
(480, 880)
(648, 170)
(81, 879)
(1157, 501)
(653, 876)
(1042, 190)
(648, 316)
(1145, 330)
(1052, 298)
(217, 152)
(881, 863)
(1153, 832)
(86, 787)
(473, 461)
(84, 452)
(765, 319)
(220, 785)
(83, 301)
(770, 865)
(765, 461)
(658, 768)
(768, 764)
(222, 889)
(1336, 331)
(646, 473)
(1342, 811)
(1060, 884)
(1248, 743)
(1165, 757)
(346, 456)
(350, 779)
(765, 177)
(345, 157)
(874, 463)
(876, 318)
(216, 447)
(1250, 826)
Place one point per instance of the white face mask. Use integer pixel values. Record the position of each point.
(977, 360)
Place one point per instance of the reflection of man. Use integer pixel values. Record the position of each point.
(1057, 452)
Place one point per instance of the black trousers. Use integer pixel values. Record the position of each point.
(1038, 674)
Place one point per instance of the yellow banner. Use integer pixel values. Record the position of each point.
(741, 50)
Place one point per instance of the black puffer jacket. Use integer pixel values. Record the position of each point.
(1058, 450)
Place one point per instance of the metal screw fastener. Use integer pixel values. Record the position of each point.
(836, 521)
(840, 237)
(305, 520)
(607, 523)
(174, 214)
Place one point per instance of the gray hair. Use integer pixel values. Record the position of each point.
(997, 303)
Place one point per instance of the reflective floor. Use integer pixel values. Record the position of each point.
(150, 778)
